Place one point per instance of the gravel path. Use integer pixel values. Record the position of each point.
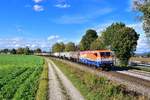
(131, 83)
(54, 86)
(60, 88)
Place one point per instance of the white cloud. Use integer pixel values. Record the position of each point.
(18, 42)
(65, 19)
(63, 5)
(37, 1)
(143, 45)
(101, 27)
(38, 8)
(33, 46)
(44, 44)
(19, 28)
(11, 43)
(53, 37)
(16, 45)
(137, 26)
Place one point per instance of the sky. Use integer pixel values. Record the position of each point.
(41, 23)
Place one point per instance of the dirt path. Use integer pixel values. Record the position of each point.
(54, 86)
(60, 88)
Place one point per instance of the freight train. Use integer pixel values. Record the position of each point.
(97, 58)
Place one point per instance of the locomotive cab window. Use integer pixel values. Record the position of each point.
(105, 54)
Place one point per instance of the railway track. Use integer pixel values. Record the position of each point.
(132, 78)
(142, 72)
(132, 82)
(137, 74)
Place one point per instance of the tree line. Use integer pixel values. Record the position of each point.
(61, 47)
(26, 51)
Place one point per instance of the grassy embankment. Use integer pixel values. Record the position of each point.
(93, 87)
(42, 93)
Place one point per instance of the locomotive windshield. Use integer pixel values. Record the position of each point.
(105, 54)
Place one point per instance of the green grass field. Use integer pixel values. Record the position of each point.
(19, 76)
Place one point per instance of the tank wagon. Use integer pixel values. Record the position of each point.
(97, 58)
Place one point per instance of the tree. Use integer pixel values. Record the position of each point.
(108, 35)
(77, 47)
(58, 47)
(13, 51)
(6, 51)
(62, 46)
(20, 51)
(123, 41)
(38, 50)
(70, 46)
(87, 39)
(26, 51)
(32, 51)
(148, 55)
(143, 6)
(97, 44)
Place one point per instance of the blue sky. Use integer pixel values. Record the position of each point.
(40, 23)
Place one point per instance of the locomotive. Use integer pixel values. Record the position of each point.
(97, 58)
